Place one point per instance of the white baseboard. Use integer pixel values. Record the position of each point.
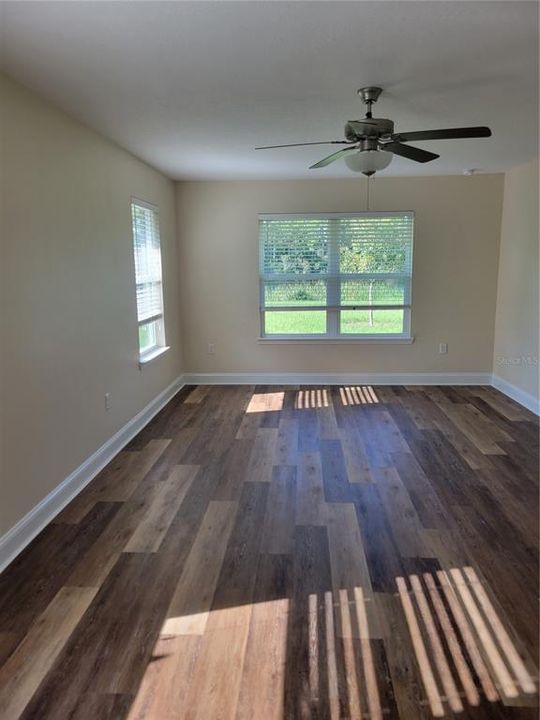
(18, 537)
(471, 378)
(515, 393)
(337, 378)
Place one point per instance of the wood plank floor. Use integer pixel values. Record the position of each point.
(290, 553)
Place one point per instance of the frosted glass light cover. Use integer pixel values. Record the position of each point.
(368, 161)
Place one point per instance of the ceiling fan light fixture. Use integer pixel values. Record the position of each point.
(368, 161)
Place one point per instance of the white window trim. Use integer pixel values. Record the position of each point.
(332, 336)
(144, 203)
(326, 340)
(147, 357)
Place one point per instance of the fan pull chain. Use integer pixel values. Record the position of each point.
(367, 194)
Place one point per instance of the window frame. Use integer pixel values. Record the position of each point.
(332, 308)
(157, 320)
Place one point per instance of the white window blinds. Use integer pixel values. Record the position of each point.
(147, 252)
(336, 264)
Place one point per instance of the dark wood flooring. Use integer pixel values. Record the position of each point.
(281, 553)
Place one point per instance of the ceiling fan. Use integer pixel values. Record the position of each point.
(372, 142)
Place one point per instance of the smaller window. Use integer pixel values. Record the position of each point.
(147, 252)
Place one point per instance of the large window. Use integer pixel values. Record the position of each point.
(338, 275)
(147, 251)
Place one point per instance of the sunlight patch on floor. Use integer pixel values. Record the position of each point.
(449, 616)
(265, 402)
(311, 399)
(345, 610)
(358, 395)
(254, 652)
(332, 624)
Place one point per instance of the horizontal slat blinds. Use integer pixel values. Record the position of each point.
(147, 262)
(334, 262)
(149, 302)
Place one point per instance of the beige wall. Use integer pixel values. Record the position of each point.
(69, 330)
(454, 284)
(516, 328)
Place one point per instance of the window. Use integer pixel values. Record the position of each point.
(336, 275)
(147, 251)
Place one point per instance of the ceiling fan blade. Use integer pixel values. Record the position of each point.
(449, 134)
(331, 158)
(322, 142)
(412, 153)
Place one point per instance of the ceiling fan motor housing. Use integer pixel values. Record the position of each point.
(356, 130)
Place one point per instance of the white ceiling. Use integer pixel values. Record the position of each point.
(193, 87)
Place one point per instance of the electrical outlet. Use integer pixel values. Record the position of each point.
(211, 348)
(107, 401)
(443, 348)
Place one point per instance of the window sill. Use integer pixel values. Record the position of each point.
(152, 355)
(279, 340)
